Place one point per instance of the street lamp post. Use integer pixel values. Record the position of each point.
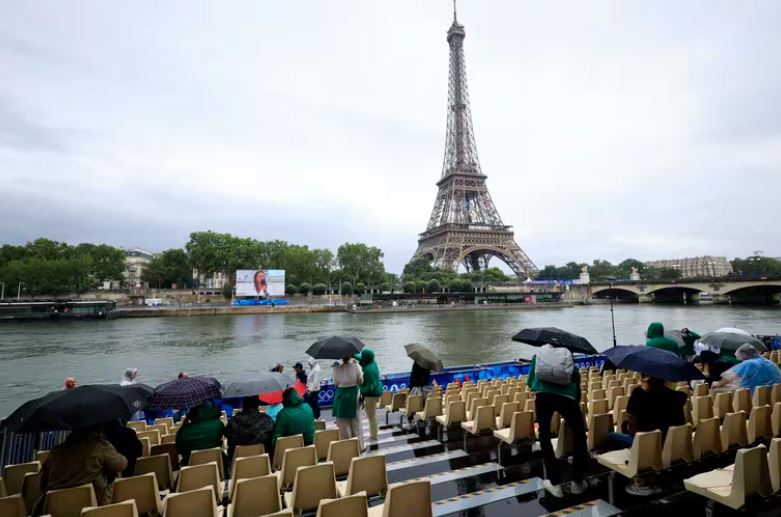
(610, 281)
(19, 291)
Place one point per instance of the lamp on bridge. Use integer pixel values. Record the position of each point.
(610, 281)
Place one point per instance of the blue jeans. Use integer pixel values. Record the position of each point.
(619, 440)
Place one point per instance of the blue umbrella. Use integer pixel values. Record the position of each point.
(653, 362)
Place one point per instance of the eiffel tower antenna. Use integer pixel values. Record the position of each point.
(465, 227)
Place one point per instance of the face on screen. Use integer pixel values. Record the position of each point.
(260, 282)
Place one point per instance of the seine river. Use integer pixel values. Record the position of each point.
(36, 357)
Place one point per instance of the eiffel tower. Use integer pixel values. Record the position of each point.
(465, 227)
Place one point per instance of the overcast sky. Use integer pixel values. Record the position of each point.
(607, 129)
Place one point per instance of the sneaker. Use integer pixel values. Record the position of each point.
(634, 488)
(554, 490)
(578, 488)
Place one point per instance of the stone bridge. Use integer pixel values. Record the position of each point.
(719, 290)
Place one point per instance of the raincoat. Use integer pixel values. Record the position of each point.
(371, 387)
(656, 338)
(295, 418)
(756, 371)
(202, 430)
(689, 340)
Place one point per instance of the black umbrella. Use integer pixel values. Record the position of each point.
(255, 383)
(78, 408)
(556, 337)
(335, 347)
(424, 357)
(731, 341)
(653, 362)
(185, 393)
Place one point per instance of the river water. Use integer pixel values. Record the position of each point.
(35, 357)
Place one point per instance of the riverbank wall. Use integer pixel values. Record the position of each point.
(461, 307)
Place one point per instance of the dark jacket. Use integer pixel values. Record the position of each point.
(126, 443)
(202, 430)
(248, 428)
(716, 365)
(657, 339)
(371, 387)
(296, 417)
(419, 376)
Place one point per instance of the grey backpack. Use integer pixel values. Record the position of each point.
(554, 365)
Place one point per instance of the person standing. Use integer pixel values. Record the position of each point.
(418, 379)
(556, 383)
(371, 390)
(347, 378)
(313, 381)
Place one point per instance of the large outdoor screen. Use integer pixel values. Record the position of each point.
(263, 282)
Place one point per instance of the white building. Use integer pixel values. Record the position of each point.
(136, 262)
(696, 267)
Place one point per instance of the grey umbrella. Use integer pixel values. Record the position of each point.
(424, 357)
(676, 336)
(254, 383)
(731, 341)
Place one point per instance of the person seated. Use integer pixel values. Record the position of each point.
(126, 442)
(651, 406)
(202, 429)
(656, 338)
(84, 457)
(753, 370)
(716, 365)
(249, 427)
(296, 417)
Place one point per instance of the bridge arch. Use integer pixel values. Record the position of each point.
(762, 293)
(478, 256)
(626, 293)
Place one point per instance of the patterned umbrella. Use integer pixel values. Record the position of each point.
(185, 393)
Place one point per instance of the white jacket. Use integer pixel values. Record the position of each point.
(314, 376)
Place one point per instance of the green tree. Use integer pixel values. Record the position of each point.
(168, 268)
(291, 289)
(319, 289)
(757, 266)
(410, 286)
(360, 288)
(433, 286)
(347, 288)
(305, 288)
(361, 262)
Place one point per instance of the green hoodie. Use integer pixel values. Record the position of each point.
(202, 430)
(657, 339)
(689, 340)
(371, 387)
(296, 417)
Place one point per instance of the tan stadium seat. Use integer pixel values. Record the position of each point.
(632, 387)
(323, 440)
(244, 451)
(761, 396)
(775, 419)
(168, 438)
(707, 439)
(167, 421)
(597, 394)
(595, 385)
(349, 506)
(505, 418)
(311, 485)
(613, 393)
(563, 444)
(160, 465)
(456, 413)
(722, 404)
(485, 420)
(741, 400)
(123, 509)
(366, 475)
(41, 456)
(13, 506)
(198, 476)
(775, 393)
(385, 399)
(31, 489)
(137, 425)
(733, 430)
(731, 486)
(702, 408)
(143, 489)
(204, 456)
(13, 475)
(282, 444)
(599, 427)
(431, 409)
(677, 446)
(702, 389)
(521, 398)
(162, 428)
(397, 403)
(759, 424)
(248, 467)
(195, 503)
(476, 403)
(68, 502)
(168, 449)
(341, 454)
(282, 513)
(413, 405)
(598, 406)
(529, 406)
(293, 459)
(405, 500)
(645, 454)
(320, 425)
(146, 445)
(774, 462)
(255, 496)
(153, 435)
(498, 401)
